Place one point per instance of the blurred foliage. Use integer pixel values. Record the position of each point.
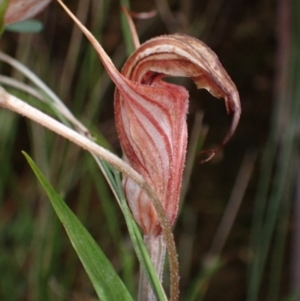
(37, 261)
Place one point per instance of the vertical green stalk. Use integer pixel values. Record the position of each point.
(280, 152)
(3, 7)
(126, 29)
(156, 247)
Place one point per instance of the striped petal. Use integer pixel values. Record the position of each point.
(153, 134)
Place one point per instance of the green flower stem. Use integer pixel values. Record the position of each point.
(156, 247)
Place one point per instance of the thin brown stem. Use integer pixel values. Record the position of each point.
(132, 27)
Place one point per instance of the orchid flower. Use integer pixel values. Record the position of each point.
(151, 119)
(19, 10)
(150, 116)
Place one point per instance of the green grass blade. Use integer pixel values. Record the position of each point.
(3, 7)
(126, 29)
(199, 286)
(293, 296)
(26, 26)
(106, 282)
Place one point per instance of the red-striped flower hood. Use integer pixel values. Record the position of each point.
(150, 114)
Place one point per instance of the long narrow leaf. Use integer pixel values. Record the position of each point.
(106, 282)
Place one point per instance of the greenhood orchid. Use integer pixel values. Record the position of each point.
(150, 115)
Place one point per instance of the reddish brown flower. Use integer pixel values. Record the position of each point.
(150, 115)
(151, 122)
(19, 10)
